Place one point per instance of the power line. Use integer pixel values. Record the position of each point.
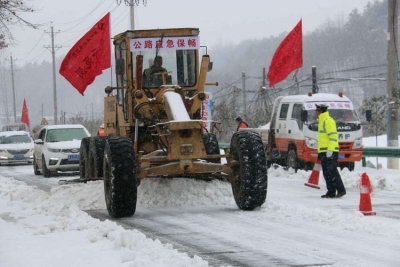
(87, 28)
(84, 17)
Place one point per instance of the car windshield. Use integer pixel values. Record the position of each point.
(15, 139)
(65, 134)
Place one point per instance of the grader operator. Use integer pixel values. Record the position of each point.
(153, 126)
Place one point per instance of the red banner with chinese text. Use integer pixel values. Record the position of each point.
(25, 114)
(89, 56)
(288, 57)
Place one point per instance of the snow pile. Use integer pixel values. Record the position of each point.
(49, 214)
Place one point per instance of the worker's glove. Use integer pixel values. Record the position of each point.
(329, 154)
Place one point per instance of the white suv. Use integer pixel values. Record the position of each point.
(57, 148)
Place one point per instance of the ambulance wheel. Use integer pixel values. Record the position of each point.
(249, 178)
(120, 179)
(212, 147)
(348, 165)
(292, 161)
(351, 166)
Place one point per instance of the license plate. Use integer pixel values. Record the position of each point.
(73, 157)
(18, 156)
(341, 156)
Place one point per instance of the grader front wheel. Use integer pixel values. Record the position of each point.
(250, 184)
(120, 180)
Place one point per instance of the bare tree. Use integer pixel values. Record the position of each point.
(10, 11)
(377, 105)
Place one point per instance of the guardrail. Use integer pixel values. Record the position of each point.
(383, 152)
(380, 152)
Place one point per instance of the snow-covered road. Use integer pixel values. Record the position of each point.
(295, 227)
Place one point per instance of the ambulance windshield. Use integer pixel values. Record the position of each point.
(339, 115)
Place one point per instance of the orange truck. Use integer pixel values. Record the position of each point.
(291, 139)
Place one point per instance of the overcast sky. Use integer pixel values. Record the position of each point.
(220, 21)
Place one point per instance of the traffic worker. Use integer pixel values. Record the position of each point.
(101, 132)
(328, 152)
(240, 123)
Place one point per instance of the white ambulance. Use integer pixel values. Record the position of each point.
(292, 135)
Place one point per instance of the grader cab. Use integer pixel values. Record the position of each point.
(153, 126)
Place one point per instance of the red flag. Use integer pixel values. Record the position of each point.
(89, 56)
(25, 114)
(288, 56)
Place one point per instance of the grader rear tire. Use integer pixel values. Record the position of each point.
(212, 147)
(96, 154)
(120, 180)
(250, 186)
(84, 158)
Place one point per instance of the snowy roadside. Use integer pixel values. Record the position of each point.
(53, 232)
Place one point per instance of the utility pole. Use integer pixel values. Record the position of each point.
(392, 87)
(53, 52)
(244, 95)
(13, 88)
(263, 77)
(132, 10)
(314, 80)
(131, 5)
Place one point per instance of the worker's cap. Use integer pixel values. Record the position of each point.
(321, 107)
(238, 119)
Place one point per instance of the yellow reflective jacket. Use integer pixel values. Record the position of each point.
(328, 138)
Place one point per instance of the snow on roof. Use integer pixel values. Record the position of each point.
(314, 97)
(64, 126)
(11, 133)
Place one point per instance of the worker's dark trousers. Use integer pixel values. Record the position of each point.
(331, 174)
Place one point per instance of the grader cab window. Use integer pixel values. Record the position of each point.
(169, 67)
(166, 61)
(120, 70)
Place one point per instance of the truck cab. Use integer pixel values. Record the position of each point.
(292, 137)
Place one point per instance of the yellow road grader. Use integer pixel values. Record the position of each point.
(153, 125)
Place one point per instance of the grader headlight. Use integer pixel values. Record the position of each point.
(201, 96)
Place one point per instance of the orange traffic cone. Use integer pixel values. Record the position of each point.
(365, 196)
(314, 177)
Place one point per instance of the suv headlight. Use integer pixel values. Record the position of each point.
(54, 150)
(311, 143)
(357, 143)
